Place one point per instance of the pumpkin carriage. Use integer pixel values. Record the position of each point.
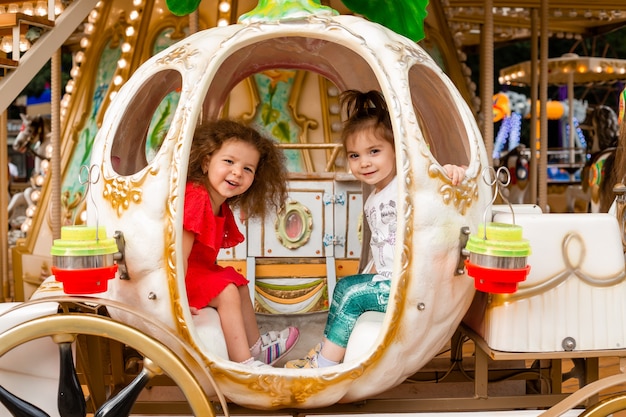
(136, 199)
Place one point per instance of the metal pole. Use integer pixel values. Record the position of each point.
(55, 129)
(4, 204)
(543, 111)
(534, 92)
(487, 80)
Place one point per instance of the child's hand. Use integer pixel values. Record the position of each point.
(455, 172)
(194, 311)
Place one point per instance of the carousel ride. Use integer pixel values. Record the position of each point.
(123, 323)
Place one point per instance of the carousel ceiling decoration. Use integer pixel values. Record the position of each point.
(568, 69)
(568, 19)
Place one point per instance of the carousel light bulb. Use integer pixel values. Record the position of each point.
(3, 9)
(6, 44)
(41, 9)
(35, 196)
(30, 211)
(89, 27)
(58, 7)
(222, 22)
(45, 164)
(13, 8)
(28, 9)
(130, 31)
(134, 15)
(74, 71)
(112, 95)
(137, 3)
(118, 80)
(39, 180)
(126, 47)
(122, 63)
(69, 87)
(24, 44)
(224, 7)
(84, 43)
(83, 216)
(80, 56)
(93, 16)
(25, 227)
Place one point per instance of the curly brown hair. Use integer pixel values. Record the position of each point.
(269, 188)
(366, 110)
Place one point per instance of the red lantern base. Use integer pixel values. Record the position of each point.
(84, 281)
(496, 280)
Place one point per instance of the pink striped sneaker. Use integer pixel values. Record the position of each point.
(276, 344)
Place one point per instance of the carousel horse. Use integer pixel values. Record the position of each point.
(598, 177)
(34, 138)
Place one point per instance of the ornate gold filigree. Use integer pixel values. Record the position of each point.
(120, 192)
(461, 195)
(183, 55)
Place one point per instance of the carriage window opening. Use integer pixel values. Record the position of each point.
(146, 122)
(441, 124)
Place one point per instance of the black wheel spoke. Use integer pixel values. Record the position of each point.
(123, 402)
(18, 407)
(71, 400)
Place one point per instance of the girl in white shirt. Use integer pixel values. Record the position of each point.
(370, 150)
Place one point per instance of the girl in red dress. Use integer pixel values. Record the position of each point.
(231, 165)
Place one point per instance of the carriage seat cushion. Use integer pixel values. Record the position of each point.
(365, 333)
(209, 330)
(367, 328)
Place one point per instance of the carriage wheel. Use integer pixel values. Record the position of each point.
(63, 329)
(606, 407)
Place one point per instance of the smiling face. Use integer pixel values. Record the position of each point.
(372, 159)
(230, 170)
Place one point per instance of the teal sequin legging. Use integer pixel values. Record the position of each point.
(353, 296)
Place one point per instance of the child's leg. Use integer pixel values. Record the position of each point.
(229, 308)
(249, 317)
(351, 298)
(272, 345)
(332, 351)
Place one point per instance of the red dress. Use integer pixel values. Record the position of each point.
(205, 279)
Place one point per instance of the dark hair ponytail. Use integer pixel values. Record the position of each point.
(366, 110)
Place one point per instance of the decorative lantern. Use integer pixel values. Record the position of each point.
(497, 259)
(83, 260)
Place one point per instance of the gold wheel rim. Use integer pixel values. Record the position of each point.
(606, 406)
(105, 327)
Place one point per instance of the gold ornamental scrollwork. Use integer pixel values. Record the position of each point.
(120, 192)
(294, 225)
(183, 54)
(461, 195)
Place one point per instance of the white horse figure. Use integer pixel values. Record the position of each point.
(34, 138)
